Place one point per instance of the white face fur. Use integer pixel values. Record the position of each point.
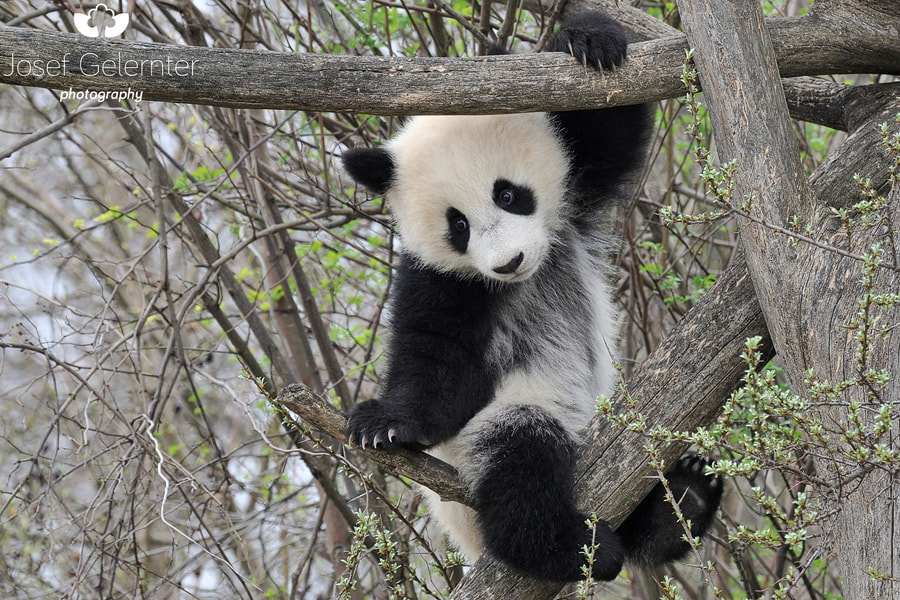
(478, 195)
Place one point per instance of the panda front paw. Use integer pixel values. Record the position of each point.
(377, 424)
(592, 38)
(697, 493)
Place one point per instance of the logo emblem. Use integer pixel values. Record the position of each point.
(101, 22)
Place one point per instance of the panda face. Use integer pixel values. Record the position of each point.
(478, 195)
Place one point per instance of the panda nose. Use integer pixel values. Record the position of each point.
(511, 266)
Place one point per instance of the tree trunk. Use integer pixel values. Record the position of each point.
(808, 293)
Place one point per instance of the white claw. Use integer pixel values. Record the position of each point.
(392, 435)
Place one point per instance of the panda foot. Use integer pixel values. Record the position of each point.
(698, 495)
(557, 554)
(652, 535)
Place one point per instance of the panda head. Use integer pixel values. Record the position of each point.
(479, 196)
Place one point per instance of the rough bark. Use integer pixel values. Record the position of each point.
(325, 418)
(839, 40)
(808, 293)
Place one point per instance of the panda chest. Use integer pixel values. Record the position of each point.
(543, 349)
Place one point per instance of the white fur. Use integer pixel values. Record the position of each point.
(563, 383)
(453, 161)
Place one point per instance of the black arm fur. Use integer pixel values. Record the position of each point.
(607, 145)
(437, 376)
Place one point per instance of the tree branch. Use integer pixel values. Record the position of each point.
(739, 75)
(418, 466)
(400, 85)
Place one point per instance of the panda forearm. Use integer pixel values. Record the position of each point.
(437, 412)
(607, 147)
(424, 402)
(439, 378)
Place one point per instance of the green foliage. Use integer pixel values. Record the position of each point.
(202, 174)
(589, 551)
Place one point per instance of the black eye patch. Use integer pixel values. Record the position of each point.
(457, 230)
(515, 199)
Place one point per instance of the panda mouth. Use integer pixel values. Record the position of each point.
(523, 273)
(522, 266)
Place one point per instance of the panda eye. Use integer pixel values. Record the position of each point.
(515, 199)
(457, 230)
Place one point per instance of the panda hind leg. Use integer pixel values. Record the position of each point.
(524, 500)
(652, 534)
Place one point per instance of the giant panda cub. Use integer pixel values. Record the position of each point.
(502, 327)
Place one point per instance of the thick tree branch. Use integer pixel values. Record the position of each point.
(400, 85)
(739, 76)
(809, 296)
(817, 101)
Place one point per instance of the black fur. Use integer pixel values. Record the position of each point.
(440, 374)
(372, 167)
(457, 230)
(542, 532)
(607, 144)
(437, 377)
(592, 38)
(651, 534)
(539, 532)
(515, 199)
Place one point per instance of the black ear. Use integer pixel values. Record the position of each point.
(372, 167)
